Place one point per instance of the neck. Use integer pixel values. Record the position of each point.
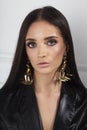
(45, 83)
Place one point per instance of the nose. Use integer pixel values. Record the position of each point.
(42, 51)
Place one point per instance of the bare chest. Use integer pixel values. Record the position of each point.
(47, 109)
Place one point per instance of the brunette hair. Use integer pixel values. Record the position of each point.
(54, 17)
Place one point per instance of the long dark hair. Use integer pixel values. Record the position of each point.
(56, 18)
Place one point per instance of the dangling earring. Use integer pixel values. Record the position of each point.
(63, 75)
(27, 76)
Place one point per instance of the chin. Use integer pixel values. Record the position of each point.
(45, 71)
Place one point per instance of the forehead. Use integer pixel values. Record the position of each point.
(43, 28)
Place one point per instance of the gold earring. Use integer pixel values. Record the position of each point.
(63, 75)
(27, 76)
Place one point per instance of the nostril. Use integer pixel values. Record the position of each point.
(42, 54)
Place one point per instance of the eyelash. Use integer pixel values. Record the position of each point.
(31, 44)
(51, 42)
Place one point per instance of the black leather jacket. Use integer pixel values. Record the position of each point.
(19, 110)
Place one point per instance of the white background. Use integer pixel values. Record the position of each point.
(13, 12)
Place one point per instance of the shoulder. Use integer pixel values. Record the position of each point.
(78, 96)
(75, 90)
(79, 121)
(13, 103)
(7, 97)
(77, 93)
(10, 98)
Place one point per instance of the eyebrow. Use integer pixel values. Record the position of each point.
(50, 37)
(47, 38)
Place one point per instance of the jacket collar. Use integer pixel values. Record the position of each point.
(65, 111)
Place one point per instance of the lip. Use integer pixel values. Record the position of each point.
(43, 64)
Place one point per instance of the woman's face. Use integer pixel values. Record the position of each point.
(45, 47)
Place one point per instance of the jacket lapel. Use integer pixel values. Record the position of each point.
(30, 113)
(29, 110)
(66, 109)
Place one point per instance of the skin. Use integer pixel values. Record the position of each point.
(45, 49)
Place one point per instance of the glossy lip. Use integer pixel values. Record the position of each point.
(43, 64)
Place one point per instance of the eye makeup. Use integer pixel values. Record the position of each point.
(49, 41)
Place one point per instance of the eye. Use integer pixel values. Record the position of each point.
(31, 44)
(52, 42)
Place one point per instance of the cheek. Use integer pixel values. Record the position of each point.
(31, 56)
(58, 54)
(28, 54)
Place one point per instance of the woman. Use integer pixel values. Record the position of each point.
(44, 91)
